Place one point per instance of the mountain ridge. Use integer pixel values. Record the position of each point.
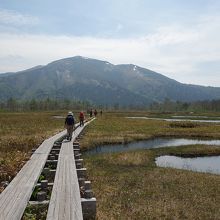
(99, 82)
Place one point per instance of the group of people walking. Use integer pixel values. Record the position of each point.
(70, 121)
(91, 112)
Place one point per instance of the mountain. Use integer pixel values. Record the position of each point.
(99, 82)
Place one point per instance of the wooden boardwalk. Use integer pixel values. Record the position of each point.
(14, 199)
(65, 201)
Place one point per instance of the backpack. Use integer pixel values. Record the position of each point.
(81, 115)
(70, 120)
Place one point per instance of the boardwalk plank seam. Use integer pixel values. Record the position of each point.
(65, 202)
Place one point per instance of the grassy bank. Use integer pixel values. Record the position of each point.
(130, 186)
(115, 128)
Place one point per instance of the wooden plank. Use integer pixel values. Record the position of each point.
(14, 199)
(65, 198)
(65, 202)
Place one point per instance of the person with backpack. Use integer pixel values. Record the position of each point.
(81, 119)
(95, 112)
(69, 123)
(90, 113)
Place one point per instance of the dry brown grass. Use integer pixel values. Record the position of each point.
(126, 185)
(19, 133)
(115, 128)
(130, 186)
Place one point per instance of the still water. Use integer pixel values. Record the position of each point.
(199, 164)
(176, 119)
(196, 116)
(148, 144)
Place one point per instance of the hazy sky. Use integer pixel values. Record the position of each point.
(178, 38)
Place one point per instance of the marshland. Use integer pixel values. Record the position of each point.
(127, 185)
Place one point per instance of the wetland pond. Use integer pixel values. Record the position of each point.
(149, 144)
(177, 119)
(209, 164)
(203, 164)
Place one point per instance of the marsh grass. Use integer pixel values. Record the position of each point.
(189, 115)
(128, 185)
(116, 128)
(19, 133)
(183, 125)
(190, 151)
(34, 212)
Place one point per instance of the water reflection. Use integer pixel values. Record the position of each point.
(195, 116)
(176, 119)
(199, 164)
(148, 144)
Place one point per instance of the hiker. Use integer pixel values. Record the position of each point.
(95, 112)
(81, 119)
(69, 123)
(90, 113)
(101, 112)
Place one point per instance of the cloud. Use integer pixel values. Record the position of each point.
(171, 35)
(9, 17)
(119, 27)
(175, 51)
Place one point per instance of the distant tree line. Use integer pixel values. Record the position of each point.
(168, 105)
(43, 105)
(50, 104)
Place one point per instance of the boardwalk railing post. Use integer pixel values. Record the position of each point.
(89, 208)
(44, 184)
(41, 196)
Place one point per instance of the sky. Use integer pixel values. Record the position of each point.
(179, 39)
